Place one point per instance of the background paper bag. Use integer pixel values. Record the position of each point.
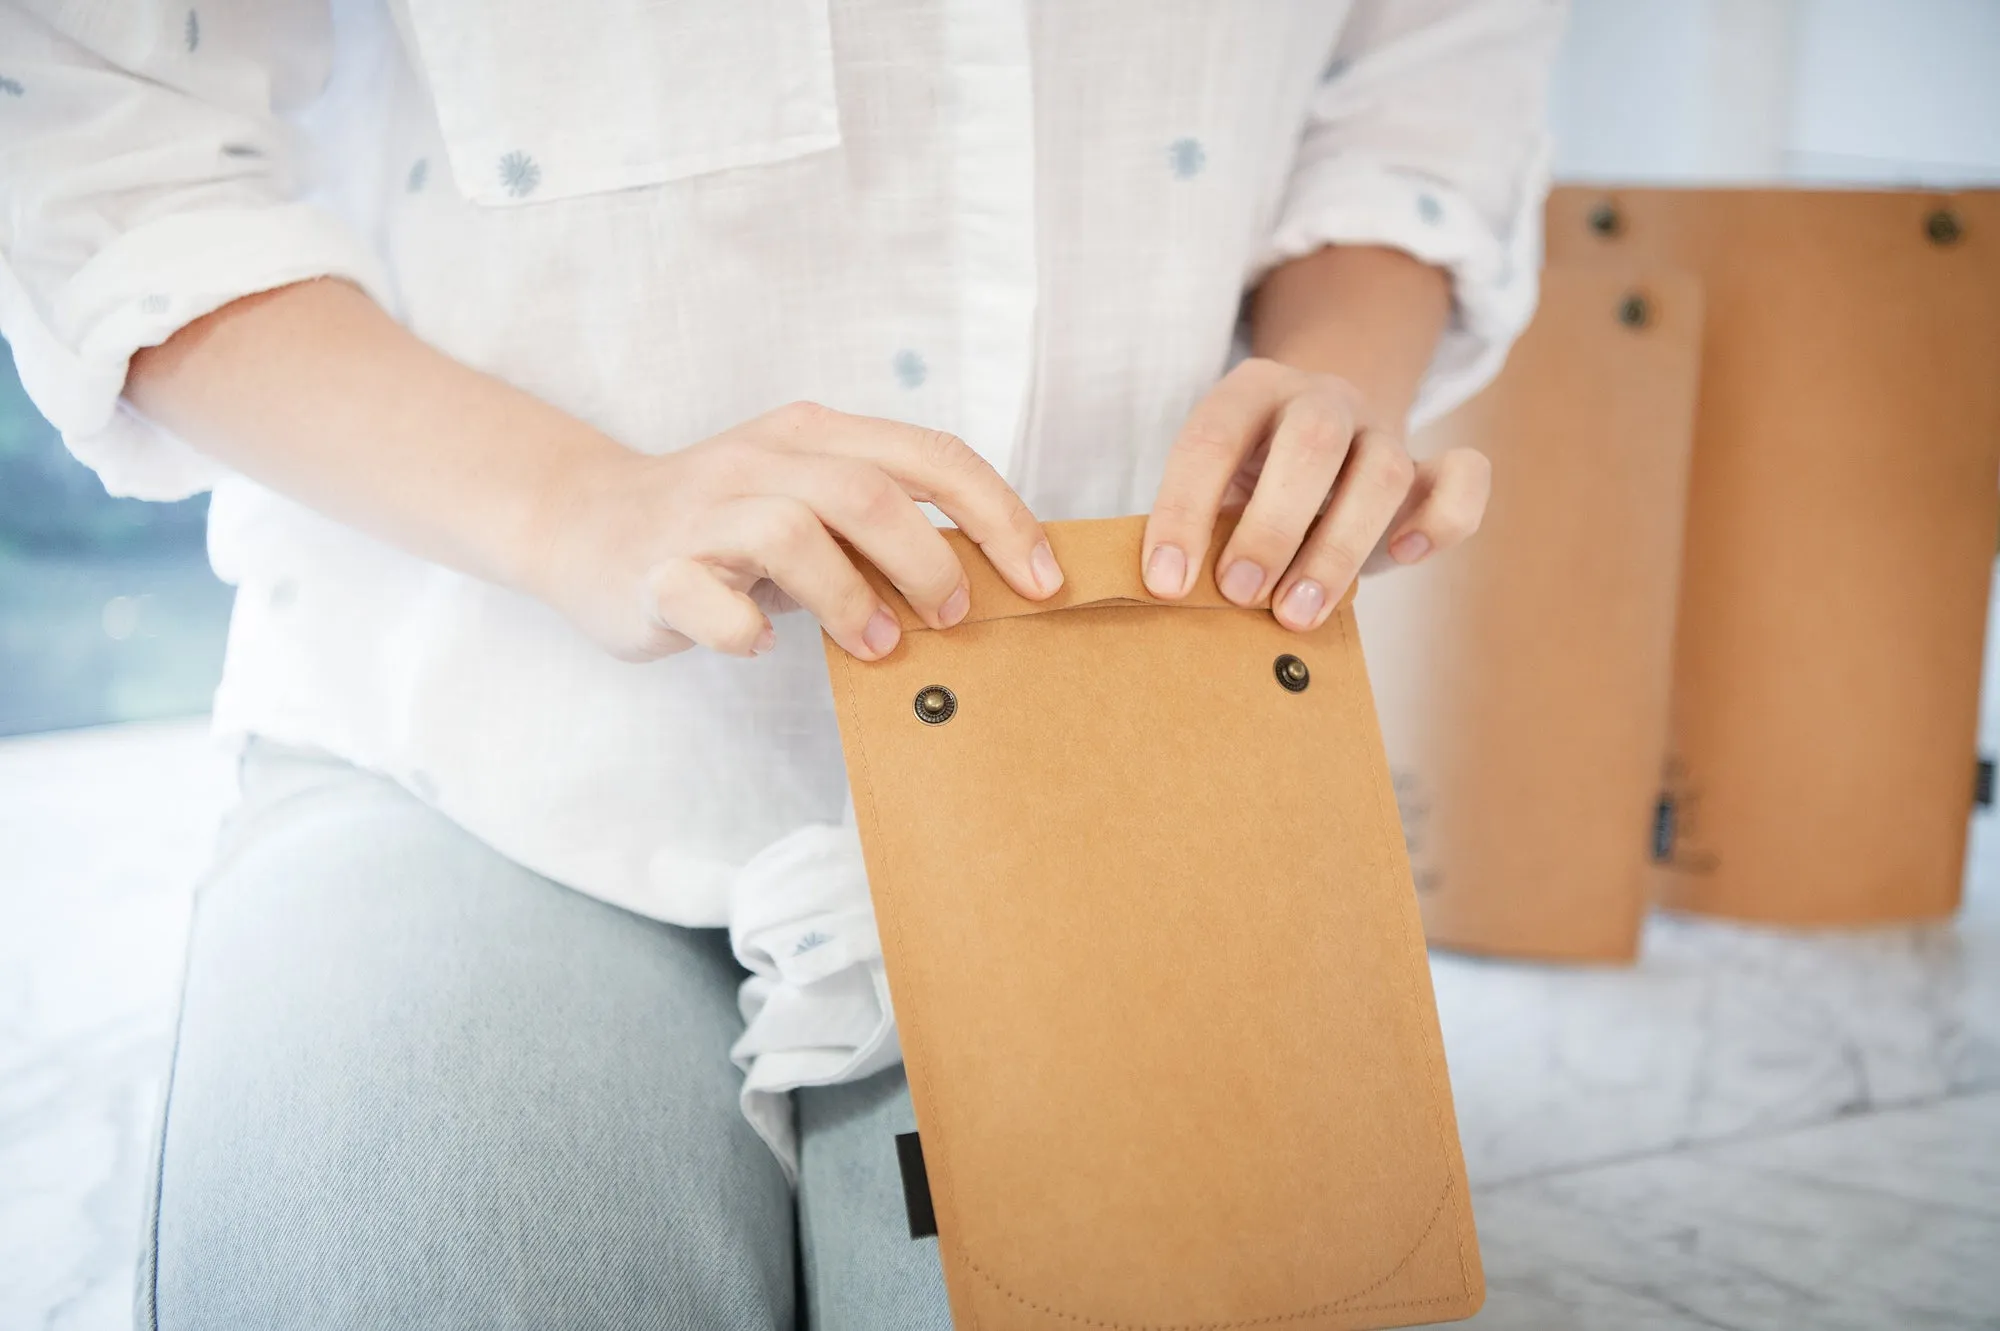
(1842, 513)
(1156, 960)
(1523, 678)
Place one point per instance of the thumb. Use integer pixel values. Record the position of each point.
(1445, 505)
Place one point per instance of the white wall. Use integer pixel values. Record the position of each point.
(1862, 92)
(1826, 91)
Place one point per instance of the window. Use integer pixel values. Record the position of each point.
(108, 610)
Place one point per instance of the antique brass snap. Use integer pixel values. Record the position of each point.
(1943, 227)
(1292, 673)
(1635, 311)
(1605, 221)
(935, 704)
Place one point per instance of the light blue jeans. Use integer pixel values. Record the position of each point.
(416, 1086)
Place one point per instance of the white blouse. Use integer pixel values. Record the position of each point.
(1031, 224)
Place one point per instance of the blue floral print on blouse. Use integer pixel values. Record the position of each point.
(1187, 157)
(519, 174)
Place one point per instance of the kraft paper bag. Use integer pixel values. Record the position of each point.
(1156, 961)
(1843, 507)
(1523, 678)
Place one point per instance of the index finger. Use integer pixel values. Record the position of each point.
(942, 469)
(1220, 433)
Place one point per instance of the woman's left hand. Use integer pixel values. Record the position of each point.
(1327, 491)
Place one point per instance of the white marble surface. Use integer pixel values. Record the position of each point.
(1721, 1030)
(1749, 1130)
(1890, 1219)
(102, 834)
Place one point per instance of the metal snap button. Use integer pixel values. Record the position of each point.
(1943, 227)
(936, 704)
(1604, 219)
(1635, 311)
(1292, 673)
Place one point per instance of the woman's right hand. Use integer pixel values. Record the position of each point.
(315, 392)
(651, 555)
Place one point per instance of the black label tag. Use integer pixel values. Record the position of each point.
(1663, 829)
(916, 1186)
(1982, 784)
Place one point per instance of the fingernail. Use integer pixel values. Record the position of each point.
(882, 632)
(767, 638)
(1047, 575)
(1166, 571)
(1409, 547)
(954, 607)
(1241, 581)
(1303, 602)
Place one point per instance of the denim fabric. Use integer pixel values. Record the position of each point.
(418, 1086)
(862, 1270)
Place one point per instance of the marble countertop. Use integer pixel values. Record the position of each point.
(1750, 1129)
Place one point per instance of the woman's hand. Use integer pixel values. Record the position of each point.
(315, 392)
(652, 555)
(1326, 488)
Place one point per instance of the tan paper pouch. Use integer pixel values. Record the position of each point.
(1523, 678)
(1156, 960)
(1842, 509)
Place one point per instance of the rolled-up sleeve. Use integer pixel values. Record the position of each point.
(148, 176)
(1427, 134)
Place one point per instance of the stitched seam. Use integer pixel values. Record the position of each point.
(160, 1177)
(152, 1273)
(1346, 1302)
(1352, 651)
(228, 848)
